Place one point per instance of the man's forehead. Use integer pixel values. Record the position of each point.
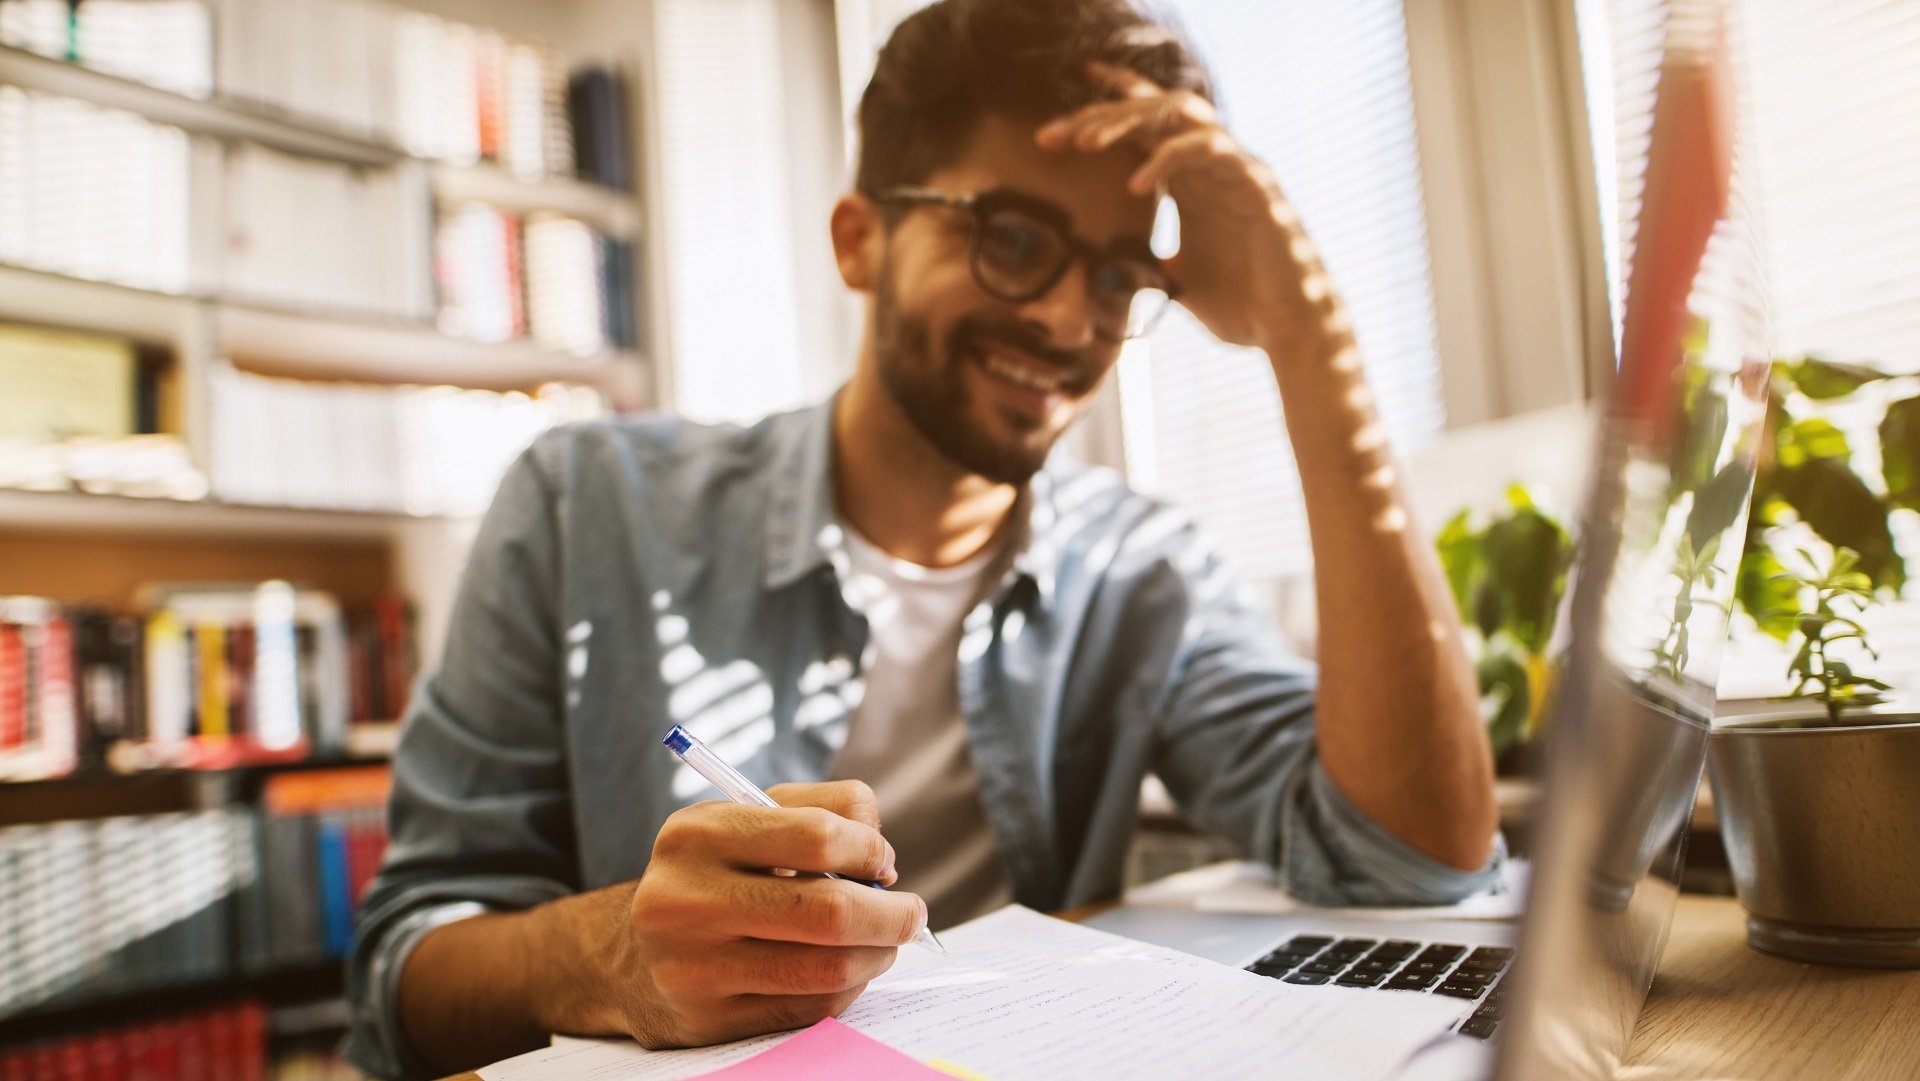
(1091, 188)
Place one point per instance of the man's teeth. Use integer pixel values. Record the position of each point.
(1022, 375)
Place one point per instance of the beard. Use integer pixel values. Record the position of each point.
(931, 387)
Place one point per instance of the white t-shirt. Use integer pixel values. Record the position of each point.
(907, 738)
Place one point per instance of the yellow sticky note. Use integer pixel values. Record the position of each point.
(960, 1072)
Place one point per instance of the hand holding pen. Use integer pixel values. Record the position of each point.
(736, 787)
(708, 946)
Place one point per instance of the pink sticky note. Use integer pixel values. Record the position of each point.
(829, 1051)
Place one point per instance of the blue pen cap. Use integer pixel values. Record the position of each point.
(677, 740)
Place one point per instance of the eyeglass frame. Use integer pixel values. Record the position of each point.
(979, 205)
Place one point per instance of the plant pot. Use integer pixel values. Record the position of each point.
(1822, 829)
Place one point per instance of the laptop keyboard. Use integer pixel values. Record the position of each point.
(1471, 973)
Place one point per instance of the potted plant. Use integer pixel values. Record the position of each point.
(1507, 576)
(1819, 806)
(1820, 809)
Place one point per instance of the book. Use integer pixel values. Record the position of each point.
(597, 103)
(62, 383)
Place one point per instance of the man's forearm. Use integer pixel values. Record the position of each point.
(1399, 727)
(478, 990)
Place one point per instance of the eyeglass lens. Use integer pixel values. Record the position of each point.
(1018, 256)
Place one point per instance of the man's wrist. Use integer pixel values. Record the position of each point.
(567, 945)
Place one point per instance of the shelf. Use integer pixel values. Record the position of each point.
(99, 792)
(281, 340)
(278, 342)
(606, 209)
(50, 298)
(221, 118)
(107, 514)
(301, 983)
(227, 118)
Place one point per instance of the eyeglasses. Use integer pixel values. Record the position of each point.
(1021, 248)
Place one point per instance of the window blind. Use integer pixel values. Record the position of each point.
(1321, 93)
(724, 214)
(1833, 136)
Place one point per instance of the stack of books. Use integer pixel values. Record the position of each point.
(553, 278)
(164, 43)
(422, 450)
(133, 903)
(321, 838)
(89, 411)
(100, 193)
(205, 678)
(228, 1042)
(468, 94)
(119, 905)
(329, 237)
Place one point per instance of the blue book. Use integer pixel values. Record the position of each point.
(336, 894)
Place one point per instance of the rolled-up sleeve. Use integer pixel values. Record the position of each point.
(1234, 745)
(480, 817)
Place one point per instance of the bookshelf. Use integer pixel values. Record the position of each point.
(201, 329)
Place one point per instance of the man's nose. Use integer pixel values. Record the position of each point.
(1064, 311)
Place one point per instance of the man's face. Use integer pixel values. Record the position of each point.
(991, 384)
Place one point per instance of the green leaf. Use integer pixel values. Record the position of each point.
(1900, 452)
(1717, 504)
(1460, 556)
(1526, 555)
(1803, 441)
(1505, 698)
(1824, 380)
(1703, 418)
(1845, 513)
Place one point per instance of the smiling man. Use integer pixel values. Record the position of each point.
(904, 605)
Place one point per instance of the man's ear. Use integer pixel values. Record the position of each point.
(859, 237)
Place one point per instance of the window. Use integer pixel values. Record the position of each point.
(1321, 93)
(1832, 128)
(750, 160)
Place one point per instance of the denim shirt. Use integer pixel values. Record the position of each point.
(632, 575)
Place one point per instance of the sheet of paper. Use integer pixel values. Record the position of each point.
(1253, 888)
(829, 1051)
(1022, 996)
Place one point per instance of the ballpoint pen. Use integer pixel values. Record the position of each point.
(737, 788)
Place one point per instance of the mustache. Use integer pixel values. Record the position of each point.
(974, 332)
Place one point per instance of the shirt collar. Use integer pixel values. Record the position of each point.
(803, 527)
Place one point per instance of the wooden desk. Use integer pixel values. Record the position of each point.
(1724, 1011)
(1720, 1011)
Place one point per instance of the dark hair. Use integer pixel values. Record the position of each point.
(952, 62)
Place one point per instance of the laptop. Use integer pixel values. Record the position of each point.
(1660, 543)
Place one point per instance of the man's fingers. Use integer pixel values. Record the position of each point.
(1142, 121)
(1123, 80)
(775, 1013)
(1193, 150)
(848, 799)
(756, 1015)
(758, 967)
(822, 912)
(760, 838)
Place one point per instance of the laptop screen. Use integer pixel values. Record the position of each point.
(1661, 541)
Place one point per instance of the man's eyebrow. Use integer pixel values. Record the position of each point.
(1133, 245)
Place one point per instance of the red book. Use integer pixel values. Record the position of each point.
(56, 702)
(74, 1063)
(240, 679)
(219, 1026)
(108, 1058)
(251, 1045)
(396, 667)
(516, 273)
(196, 1055)
(13, 686)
